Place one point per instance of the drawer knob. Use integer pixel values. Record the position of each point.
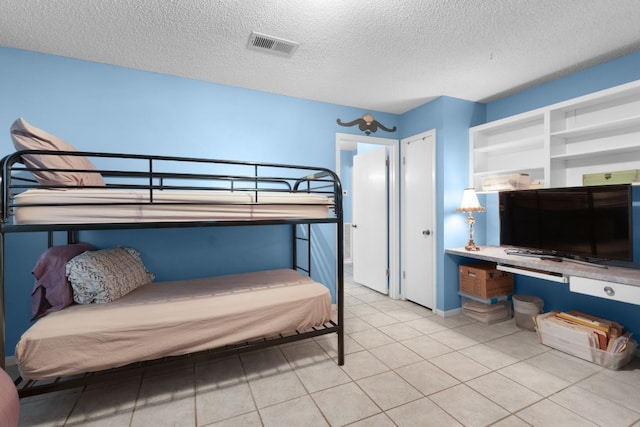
(609, 291)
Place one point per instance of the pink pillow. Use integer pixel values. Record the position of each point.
(27, 137)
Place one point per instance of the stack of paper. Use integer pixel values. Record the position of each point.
(579, 334)
(487, 313)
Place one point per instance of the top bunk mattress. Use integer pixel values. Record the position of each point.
(104, 205)
(172, 318)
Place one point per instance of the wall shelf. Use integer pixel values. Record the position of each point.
(508, 171)
(531, 143)
(599, 153)
(595, 129)
(558, 144)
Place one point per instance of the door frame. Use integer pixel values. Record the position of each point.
(345, 141)
(434, 229)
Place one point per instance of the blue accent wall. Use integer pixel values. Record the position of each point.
(612, 73)
(451, 118)
(98, 107)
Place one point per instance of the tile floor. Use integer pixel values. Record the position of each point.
(404, 366)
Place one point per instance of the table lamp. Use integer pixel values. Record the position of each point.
(470, 204)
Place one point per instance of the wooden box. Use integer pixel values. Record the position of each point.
(485, 280)
(618, 177)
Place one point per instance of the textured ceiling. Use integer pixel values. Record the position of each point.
(384, 55)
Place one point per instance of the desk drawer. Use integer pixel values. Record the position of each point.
(604, 289)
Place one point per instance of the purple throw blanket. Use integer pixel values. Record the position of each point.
(52, 291)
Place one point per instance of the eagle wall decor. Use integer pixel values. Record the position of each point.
(367, 124)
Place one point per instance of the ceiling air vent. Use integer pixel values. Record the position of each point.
(272, 44)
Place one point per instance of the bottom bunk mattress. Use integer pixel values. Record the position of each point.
(172, 318)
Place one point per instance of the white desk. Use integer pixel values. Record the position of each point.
(614, 283)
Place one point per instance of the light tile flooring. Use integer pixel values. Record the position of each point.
(404, 366)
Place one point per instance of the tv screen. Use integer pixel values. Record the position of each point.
(591, 223)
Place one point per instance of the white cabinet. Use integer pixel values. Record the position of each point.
(605, 289)
(557, 144)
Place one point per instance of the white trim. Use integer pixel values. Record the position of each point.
(424, 135)
(346, 141)
(448, 313)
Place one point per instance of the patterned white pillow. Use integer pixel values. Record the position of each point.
(106, 275)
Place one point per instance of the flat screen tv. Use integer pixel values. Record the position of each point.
(587, 223)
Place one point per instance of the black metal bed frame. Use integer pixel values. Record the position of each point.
(157, 173)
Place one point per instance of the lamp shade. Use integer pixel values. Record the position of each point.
(470, 202)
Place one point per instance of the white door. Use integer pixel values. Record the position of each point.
(418, 207)
(369, 219)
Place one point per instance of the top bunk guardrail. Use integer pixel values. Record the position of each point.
(49, 190)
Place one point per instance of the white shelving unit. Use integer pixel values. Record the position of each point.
(509, 146)
(557, 144)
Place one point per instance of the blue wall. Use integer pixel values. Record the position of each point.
(98, 107)
(613, 73)
(451, 118)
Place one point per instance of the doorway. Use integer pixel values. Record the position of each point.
(346, 144)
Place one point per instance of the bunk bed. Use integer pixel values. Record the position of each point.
(70, 191)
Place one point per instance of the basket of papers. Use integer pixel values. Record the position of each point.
(597, 340)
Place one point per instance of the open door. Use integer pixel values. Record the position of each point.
(369, 219)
